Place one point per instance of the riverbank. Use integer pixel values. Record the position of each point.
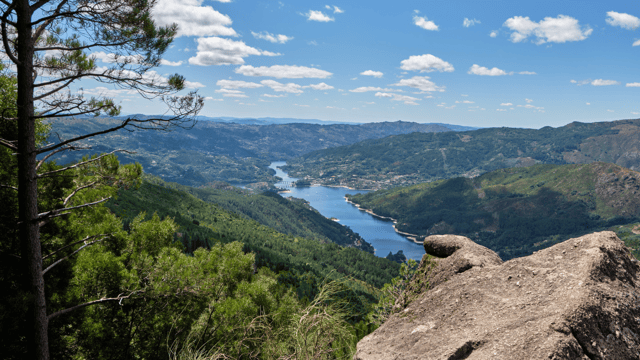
(412, 237)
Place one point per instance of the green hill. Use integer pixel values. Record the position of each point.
(203, 223)
(402, 160)
(515, 211)
(214, 151)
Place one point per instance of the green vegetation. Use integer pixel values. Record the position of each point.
(214, 151)
(515, 211)
(420, 157)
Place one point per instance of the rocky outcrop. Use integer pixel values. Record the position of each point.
(576, 300)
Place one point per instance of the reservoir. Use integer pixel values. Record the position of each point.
(330, 202)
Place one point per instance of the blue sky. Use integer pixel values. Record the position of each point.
(477, 63)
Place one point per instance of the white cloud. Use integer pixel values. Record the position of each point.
(529, 106)
(320, 86)
(281, 39)
(501, 109)
(422, 22)
(527, 73)
(274, 96)
(557, 30)
(237, 84)
(315, 15)
(623, 20)
(219, 51)
(377, 74)
(588, 103)
(192, 18)
(232, 93)
(467, 22)
(426, 63)
(301, 105)
(336, 10)
(279, 87)
(420, 82)
(102, 91)
(372, 88)
(601, 82)
(209, 98)
(609, 110)
(635, 113)
(170, 63)
(529, 101)
(494, 33)
(382, 94)
(408, 100)
(636, 43)
(506, 104)
(106, 58)
(636, 84)
(283, 71)
(481, 70)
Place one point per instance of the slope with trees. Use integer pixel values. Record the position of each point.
(415, 158)
(515, 211)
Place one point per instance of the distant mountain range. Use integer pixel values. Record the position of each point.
(222, 150)
(419, 157)
(515, 211)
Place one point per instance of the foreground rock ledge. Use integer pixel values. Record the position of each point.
(576, 300)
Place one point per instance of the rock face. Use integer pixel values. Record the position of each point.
(576, 300)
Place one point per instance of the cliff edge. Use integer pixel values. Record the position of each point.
(576, 300)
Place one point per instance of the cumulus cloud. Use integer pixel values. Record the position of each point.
(424, 23)
(279, 38)
(336, 10)
(465, 102)
(636, 43)
(506, 104)
(527, 73)
(555, 30)
(494, 33)
(420, 82)
(372, 88)
(636, 84)
(602, 82)
(408, 100)
(170, 63)
(320, 86)
(315, 15)
(426, 63)
(279, 87)
(623, 20)
(528, 101)
(481, 70)
(377, 74)
(192, 18)
(238, 84)
(468, 22)
(107, 58)
(283, 71)
(232, 93)
(219, 51)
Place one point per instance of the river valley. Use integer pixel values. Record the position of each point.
(330, 202)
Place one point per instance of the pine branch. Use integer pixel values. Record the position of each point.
(74, 243)
(8, 187)
(82, 163)
(66, 200)
(70, 255)
(118, 298)
(55, 212)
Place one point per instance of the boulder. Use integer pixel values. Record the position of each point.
(576, 300)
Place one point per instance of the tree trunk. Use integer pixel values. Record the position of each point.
(29, 230)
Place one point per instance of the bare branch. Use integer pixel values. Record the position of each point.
(66, 200)
(41, 96)
(8, 144)
(73, 253)
(72, 148)
(53, 147)
(118, 298)
(5, 37)
(8, 187)
(55, 212)
(73, 243)
(83, 163)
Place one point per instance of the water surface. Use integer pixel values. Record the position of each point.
(330, 202)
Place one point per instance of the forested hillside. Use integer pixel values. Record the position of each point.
(515, 211)
(214, 151)
(420, 157)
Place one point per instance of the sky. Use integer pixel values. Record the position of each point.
(475, 63)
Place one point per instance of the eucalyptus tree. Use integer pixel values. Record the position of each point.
(50, 45)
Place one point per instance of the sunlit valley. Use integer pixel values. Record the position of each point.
(230, 179)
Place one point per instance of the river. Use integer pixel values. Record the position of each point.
(330, 202)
